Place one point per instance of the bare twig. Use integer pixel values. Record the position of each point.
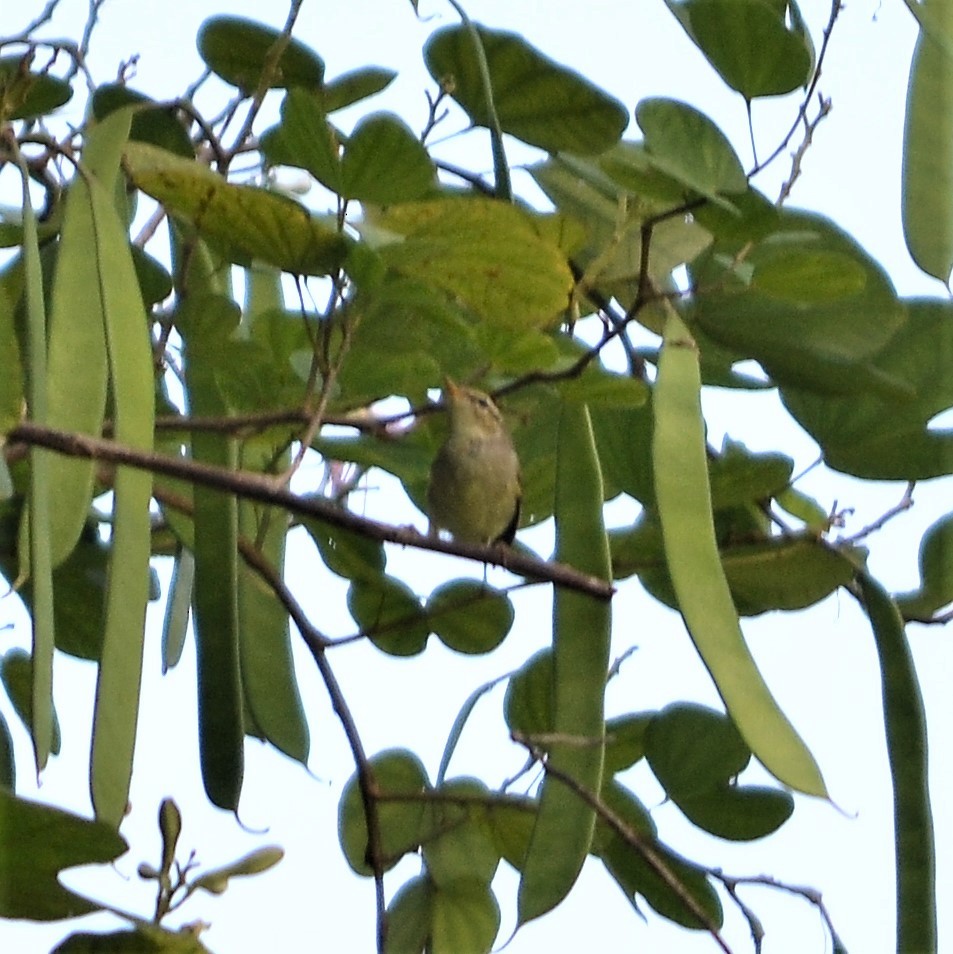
(810, 127)
(902, 506)
(811, 895)
(45, 15)
(836, 7)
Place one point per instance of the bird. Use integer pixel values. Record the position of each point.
(474, 491)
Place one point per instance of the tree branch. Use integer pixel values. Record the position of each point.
(261, 487)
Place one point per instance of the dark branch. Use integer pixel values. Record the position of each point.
(260, 487)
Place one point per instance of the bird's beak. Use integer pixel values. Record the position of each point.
(450, 388)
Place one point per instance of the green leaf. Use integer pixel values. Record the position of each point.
(470, 617)
(389, 614)
(783, 573)
(305, 139)
(255, 862)
(238, 50)
(636, 872)
(487, 253)
(536, 100)
(685, 144)
(625, 740)
(177, 609)
(748, 43)
(528, 704)
(820, 342)
(352, 87)
(409, 916)
(695, 753)
(738, 476)
(25, 94)
(881, 436)
(465, 917)
(905, 724)
(145, 939)
(513, 820)
(927, 183)
(152, 123)
(581, 627)
(16, 675)
(461, 845)
(401, 822)
(385, 163)
(346, 553)
(246, 221)
(808, 275)
(39, 842)
(684, 505)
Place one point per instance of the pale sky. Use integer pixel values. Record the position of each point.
(820, 664)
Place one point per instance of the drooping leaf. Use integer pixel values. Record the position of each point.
(465, 917)
(748, 43)
(247, 222)
(16, 676)
(151, 123)
(682, 894)
(821, 341)
(409, 917)
(460, 845)
(880, 436)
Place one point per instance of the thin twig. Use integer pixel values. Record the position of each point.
(811, 895)
(634, 839)
(902, 506)
(317, 643)
(836, 7)
(264, 83)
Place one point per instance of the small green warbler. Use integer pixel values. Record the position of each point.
(474, 490)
